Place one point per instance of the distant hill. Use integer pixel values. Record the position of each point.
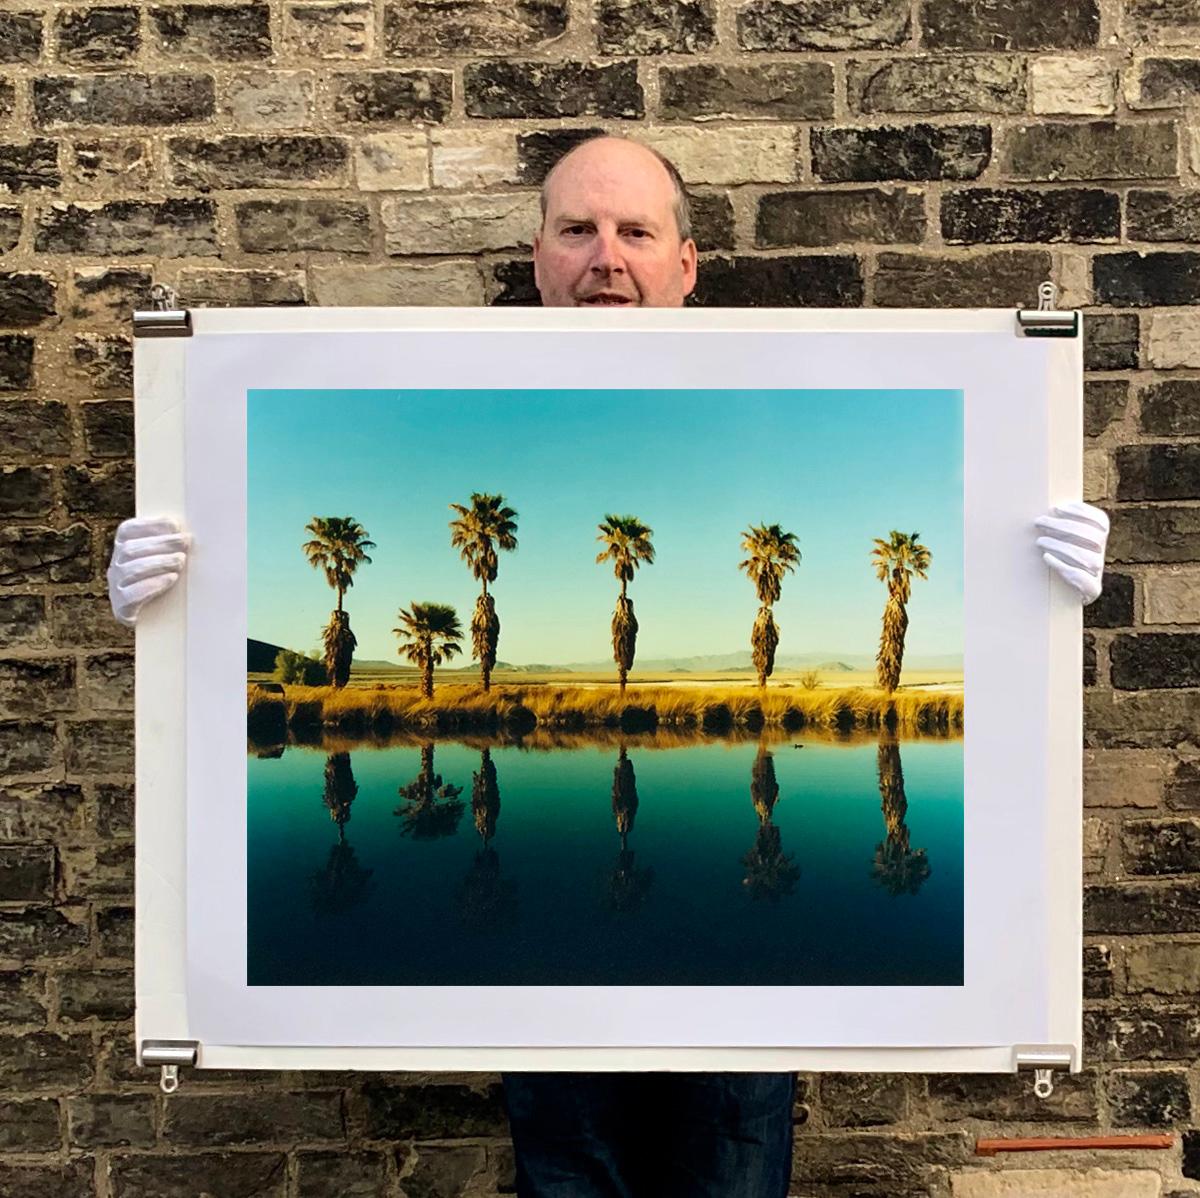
(260, 657)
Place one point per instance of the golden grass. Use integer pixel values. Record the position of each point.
(514, 709)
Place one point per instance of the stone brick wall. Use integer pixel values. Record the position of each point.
(886, 152)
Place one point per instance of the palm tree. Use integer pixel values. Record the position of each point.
(485, 797)
(628, 883)
(773, 553)
(897, 867)
(339, 545)
(627, 545)
(770, 872)
(477, 532)
(431, 808)
(340, 789)
(896, 560)
(430, 634)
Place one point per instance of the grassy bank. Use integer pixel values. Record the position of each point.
(515, 710)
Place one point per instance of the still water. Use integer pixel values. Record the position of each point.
(703, 864)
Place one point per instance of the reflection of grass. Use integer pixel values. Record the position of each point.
(306, 711)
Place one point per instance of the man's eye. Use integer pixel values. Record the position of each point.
(575, 229)
(638, 233)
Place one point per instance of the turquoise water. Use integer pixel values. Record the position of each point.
(835, 864)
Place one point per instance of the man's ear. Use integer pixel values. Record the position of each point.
(688, 262)
(537, 249)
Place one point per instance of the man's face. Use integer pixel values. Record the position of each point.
(609, 237)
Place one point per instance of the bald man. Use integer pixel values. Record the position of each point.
(616, 231)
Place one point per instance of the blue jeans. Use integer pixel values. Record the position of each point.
(651, 1135)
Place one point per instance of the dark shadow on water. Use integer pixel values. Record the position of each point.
(770, 872)
(898, 868)
(343, 883)
(431, 808)
(627, 884)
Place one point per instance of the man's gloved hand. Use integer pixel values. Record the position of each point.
(147, 558)
(1074, 545)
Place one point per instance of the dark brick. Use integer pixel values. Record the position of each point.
(874, 1166)
(1097, 971)
(1155, 660)
(52, 811)
(788, 91)
(40, 932)
(1160, 19)
(1001, 279)
(41, 1061)
(1155, 534)
(1153, 847)
(22, 997)
(414, 28)
(105, 360)
(985, 214)
(114, 927)
(125, 163)
(819, 281)
(89, 36)
(26, 298)
(1010, 24)
(1110, 342)
(712, 221)
(1159, 471)
(1140, 719)
(1182, 792)
(1171, 408)
(100, 490)
(99, 746)
(176, 228)
(217, 287)
(110, 294)
(1168, 82)
(516, 285)
(86, 621)
(96, 994)
(980, 1096)
(265, 226)
(34, 554)
(110, 1121)
(862, 1099)
(25, 490)
(26, 747)
(27, 873)
(8, 100)
(114, 810)
(1148, 1098)
(1114, 607)
(97, 871)
(1138, 908)
(911, 152)
(1089, 659)
(133, 99)
(1190, 1164)
(29, 1126)
(1104, 401)
(107, 682)
(1092, 150)
(36, 685)
(227, 1174)
(427, 1111)
(369, 97)
(347, 1174)
(274, 161)
(1146, 280)
(216, 1120)
(108, 428)
(20, 36)
(29, 166)
(937, 84)
(16, 374)
(819, 218)
(70, 1180)
(822, 24)
(211, 32)
(655, 26)
(545, 90)
(538, 152)
(1128, 1035)
(447, 1169)
(22, 622)
(10, 228)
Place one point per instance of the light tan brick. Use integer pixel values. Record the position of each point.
(396, 161)
(1174, 340)
(759, 154)
(1124, 777)
(458, 224)
(1096, 474)
(1075, 86)
(1056, 1183)
(450, 284)
(467, 158)
(1095, 844)
(330, 31)
(1171, 596)
(270, 99)
(1163, 968)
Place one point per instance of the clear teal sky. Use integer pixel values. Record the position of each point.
(837, 468)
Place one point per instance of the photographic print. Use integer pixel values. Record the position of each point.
(605, 687)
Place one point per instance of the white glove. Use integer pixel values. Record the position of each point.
(1074, 547)
(147, 558)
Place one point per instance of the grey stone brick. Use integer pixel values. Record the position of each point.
(937, 83)
(110, 294)
(1158, 471)
(862, 1099)
(655, 26)
(35, 554)
(105, 360)
(1171, 408)
(228, 1174)
(36, 685)
(99, 490)
(1104, 402)
(825, 217)
(30, 1126)
(865, 1164)
(212, 32)
(22, 622)
(1002, 278)
(10, 228)
(218, 287)
(953, 1097)
(26, 298)
(537, 90)
(20, 36)
(176, 228)
(25, 490)
(1059, 150)
(1097, 971)
(29, 166)
(822, 24)
(213, 1120)
(912, 152)
(27, 873)
(132, 99)
(32, 811)
(373, 97)
(1110, 341)
(348, 1174)
(1168, 82)
(42, 1061)
(34, 934)
(1162, 216)
(1146, 280)
(435, 1110)
(22, 997)
(787, 91)
(986, 214)
(108, 428)
(415, 28)
(86, 621)
(110, 1121)
(265, 226)
(1114, 607)
(114, 810)
(97, 36)
(1148, 1098)
(1154, 847)
(105, 994)
(71, 1180)
(99, 746)
(271, 161)
(537, 152)
(1137, 908)
(16, 374)
(712, 221)
(821, 281)
(1011, 24)
(123, 163)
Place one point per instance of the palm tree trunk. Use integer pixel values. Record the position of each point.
(624, 636)
(427, 672)
(764, 640)
(890, 657)
(485, 635)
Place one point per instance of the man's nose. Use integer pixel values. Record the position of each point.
(606, 253)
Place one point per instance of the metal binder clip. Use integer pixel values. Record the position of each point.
(163, 319)
(1041, 1061)
(169, 1054)
(1045, 320)
(169, 1081)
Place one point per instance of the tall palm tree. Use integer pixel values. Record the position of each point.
(430, 635)
(477, 532)
(896, 560)
(339, 546)
(772, 554)
(626, 544)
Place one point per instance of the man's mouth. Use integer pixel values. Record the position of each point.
(604, 298)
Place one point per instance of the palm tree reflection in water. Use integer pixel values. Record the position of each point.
(431, 809)
(899, 868)
(485, 899)
(628, 885)
(343, 883)
(770, 872)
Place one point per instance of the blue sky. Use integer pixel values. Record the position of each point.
(837, 468)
